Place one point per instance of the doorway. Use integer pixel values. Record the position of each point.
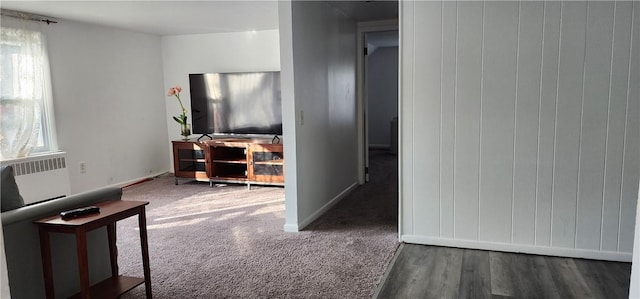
(378, 92)
(381, 101)
(378, 100)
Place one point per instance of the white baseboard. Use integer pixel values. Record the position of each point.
(301, 225)
(518, 248)
(129, 182)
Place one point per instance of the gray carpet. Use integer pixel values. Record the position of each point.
(228, 242)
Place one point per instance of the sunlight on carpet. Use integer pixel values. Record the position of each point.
(228, 242)
(205, 209)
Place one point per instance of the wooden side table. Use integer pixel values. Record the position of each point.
(110, 212)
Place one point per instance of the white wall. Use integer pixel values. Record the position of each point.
(634, 288)
(108, 98)
(211, 53)
(382, 99)
(520, 126)
(319, 107)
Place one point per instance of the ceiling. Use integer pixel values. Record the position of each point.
(188, 17)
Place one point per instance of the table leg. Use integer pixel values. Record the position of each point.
(83, 262)
(47, 270)
(142, 222)
(113, 248)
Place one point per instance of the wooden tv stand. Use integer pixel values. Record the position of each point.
(229, 160)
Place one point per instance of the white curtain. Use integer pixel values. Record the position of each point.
(23, 67)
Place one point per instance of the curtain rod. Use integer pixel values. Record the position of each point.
(27, 16)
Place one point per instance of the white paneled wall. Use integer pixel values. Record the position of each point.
(520, 125)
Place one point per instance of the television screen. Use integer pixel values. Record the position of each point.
(236, 103)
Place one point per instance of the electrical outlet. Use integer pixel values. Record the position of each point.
(83, 167)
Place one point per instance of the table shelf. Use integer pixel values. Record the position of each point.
(112, 287)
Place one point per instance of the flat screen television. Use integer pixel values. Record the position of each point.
(236, 103)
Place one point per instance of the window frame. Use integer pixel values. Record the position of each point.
(47, 131)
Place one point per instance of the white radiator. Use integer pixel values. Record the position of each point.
(41, 177)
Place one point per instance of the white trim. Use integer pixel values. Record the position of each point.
(401, 29)
(289, 227)
(289, 114)
(518, 248)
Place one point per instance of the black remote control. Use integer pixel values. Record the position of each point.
(79, 212)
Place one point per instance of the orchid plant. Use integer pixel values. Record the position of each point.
(175, 91)
(182, 118)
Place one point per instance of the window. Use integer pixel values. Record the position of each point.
(26, 123)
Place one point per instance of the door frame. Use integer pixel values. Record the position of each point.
(361, 95)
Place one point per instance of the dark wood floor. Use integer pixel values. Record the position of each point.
(439, 272)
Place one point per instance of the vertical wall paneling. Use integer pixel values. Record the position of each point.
(547, 120)
(406, 126)
(521, 125)
(615, 125)
(631, 164)
(467, 117)
(447, 131)
(569, 110)
(526, 126)
(426, 114)
(594, 124)
(498, 119)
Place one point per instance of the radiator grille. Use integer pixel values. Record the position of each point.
(41, 178)
(29, 167)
